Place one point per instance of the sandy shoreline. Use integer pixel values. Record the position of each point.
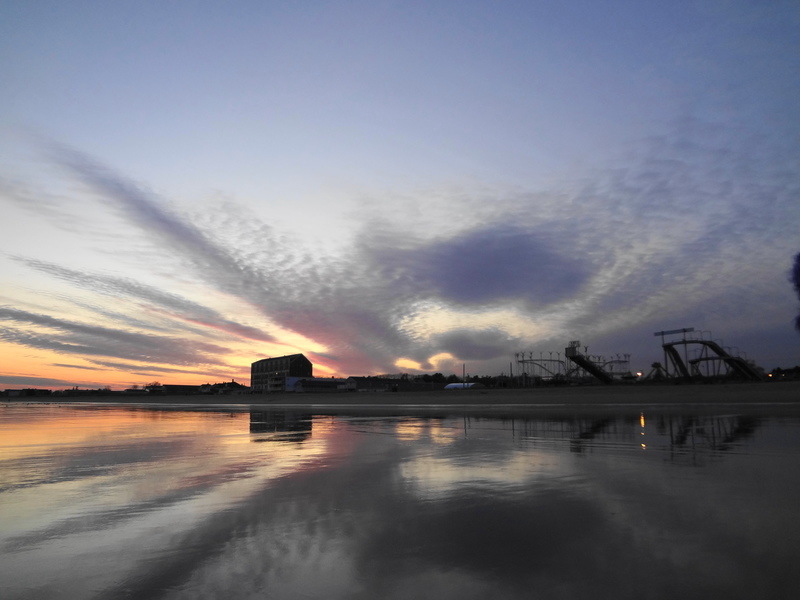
(786, 394)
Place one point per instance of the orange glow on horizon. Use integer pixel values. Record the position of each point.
(34, 368)
(56, 373)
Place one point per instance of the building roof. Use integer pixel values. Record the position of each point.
(292, 356)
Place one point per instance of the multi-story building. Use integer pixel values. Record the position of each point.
(269, 374)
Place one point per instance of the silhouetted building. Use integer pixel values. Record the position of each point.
(175, 390)
(28, 392)
(394, 384)
(269, 374)
(226, 388)
(319, 384)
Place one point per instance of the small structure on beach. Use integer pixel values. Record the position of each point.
(464, 386)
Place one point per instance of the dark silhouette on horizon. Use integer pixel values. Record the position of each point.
(796, 282)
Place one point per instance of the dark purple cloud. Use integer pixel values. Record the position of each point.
(474, 344)
(491, 264)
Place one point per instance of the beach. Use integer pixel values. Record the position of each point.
(745, 394)
(597, 492)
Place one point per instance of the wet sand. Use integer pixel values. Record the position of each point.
(668, 395)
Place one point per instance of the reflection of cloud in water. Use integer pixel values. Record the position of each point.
(435, 476)
(510, 542)
(724, 519)
(356, 511)
(127, 480)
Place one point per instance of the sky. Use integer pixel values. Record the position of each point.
(387, 187)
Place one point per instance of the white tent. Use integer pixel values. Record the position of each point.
(463, 386)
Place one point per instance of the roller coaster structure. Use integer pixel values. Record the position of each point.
(575, 365)
(703, 359)
(710, 359)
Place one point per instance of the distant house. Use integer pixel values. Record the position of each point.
(28, 392)
(226, 388)
(176, 390)
(269, 374)
(319, 384)
(394, 384)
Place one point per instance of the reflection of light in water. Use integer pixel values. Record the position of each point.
(642, 424)
(444, 435)
(411, 430)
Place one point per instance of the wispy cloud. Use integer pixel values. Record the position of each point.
(93, 340)
(151, 214)
(68, 366)
(33, 380)
(150, 369)
(655, 236)
(172, 304)
(326, 300)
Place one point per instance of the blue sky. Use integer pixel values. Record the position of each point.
(391, 186)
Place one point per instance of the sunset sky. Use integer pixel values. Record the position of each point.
(386, 187)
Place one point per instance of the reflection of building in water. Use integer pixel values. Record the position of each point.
(270, 374)
(288, 426)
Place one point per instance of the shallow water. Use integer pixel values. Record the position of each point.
(122, 502)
